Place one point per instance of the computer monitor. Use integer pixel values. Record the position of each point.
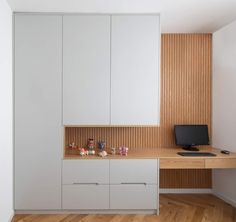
(191, 135)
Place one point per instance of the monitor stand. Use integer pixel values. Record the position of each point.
(190, 148)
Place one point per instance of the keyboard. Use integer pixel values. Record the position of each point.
(195, 154)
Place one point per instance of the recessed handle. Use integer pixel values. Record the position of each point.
(86, 183)
(134, 184)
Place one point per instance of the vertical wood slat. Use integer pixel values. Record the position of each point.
(186, 66)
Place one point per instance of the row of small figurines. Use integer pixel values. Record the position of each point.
(101, 145)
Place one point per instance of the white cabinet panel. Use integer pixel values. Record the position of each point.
(86, 70)
(85, 171)
(133, 196)
(135, 70)
(133, 171)
(38, 112)
(85, 197)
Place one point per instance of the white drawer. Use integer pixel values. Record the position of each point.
(85, 171)
(133, 196)
(85, 197)
(133, 171)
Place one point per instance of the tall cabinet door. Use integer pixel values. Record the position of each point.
(135, 70)
(38, 111)
(86, 70)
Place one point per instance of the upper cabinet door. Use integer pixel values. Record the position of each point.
(135, 70)
(86, 70)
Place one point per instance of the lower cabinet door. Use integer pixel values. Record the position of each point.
(133, 196)
(85, 197)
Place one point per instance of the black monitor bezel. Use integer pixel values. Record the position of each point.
(190, 126)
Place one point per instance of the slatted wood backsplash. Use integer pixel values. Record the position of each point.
(186, 85)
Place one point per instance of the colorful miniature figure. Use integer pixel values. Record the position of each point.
(91, 147)
(83, 152)
(123, 150)
(101, 145)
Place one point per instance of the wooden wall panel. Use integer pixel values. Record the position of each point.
(185, 82)
(174, 178)
(185, 98)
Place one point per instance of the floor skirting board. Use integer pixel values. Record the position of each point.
(156, 212)
(224, 198)
(185, 190)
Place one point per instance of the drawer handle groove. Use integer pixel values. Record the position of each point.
(86, 183)
(134, 184)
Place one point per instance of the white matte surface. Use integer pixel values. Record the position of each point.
(133, 171)
(135, 70)
(38, 112)
(6, 156)
(85, 171)
(133, 196)
(86, 70)
(85, 197)
(224, 106)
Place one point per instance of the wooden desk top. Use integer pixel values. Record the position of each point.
(153, 153)
(169, 159)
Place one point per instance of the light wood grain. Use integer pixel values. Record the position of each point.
(182, 163)
(220, 163)
(202, 178)
(186, 69)
(168, 154)
(174, 207)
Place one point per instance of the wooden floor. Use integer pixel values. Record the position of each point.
(174, 208)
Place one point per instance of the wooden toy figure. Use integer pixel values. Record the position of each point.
(91, 147)
(113, 151)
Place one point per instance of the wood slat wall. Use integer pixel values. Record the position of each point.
(186, 85)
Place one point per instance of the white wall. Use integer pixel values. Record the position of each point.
(6, 155)
(224, 106)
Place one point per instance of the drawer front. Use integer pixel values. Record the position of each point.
(133, 196)
(85, 197)
(133, 171)
(85, 171)
(220, 163)
(182, 163)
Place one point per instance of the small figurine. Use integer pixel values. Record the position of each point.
(83, 152)
(113, 151)
(72, 145)
(101, 145)
(102, 153)
(123, 150)
(91, 152)
(91, 147)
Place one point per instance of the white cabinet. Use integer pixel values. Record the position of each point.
(85, 171)
(85, 197)
(134, 184)
(110, 184)
(133, 196)
(111, 69)
(86, 70)
(133, 171)
(135, 70)
(38, 112)
(85, 184)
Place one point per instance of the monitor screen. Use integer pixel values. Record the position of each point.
(190, 135)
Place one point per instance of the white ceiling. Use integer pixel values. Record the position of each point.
(177, 16)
